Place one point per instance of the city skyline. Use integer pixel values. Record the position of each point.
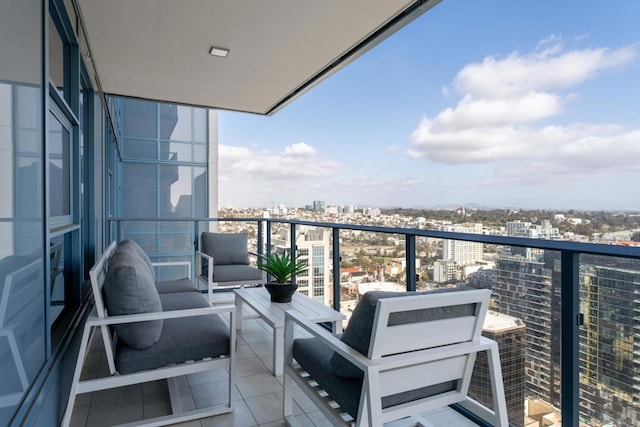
(501, 105)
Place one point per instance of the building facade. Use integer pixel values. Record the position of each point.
(509, 333)
(464, 253)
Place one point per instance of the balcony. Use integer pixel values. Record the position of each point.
(258, 393)
(549, 345)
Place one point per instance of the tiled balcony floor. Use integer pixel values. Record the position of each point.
(258, 393)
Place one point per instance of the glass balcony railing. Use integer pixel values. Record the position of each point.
(566, 315)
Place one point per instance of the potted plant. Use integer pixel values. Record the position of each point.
(281, 267)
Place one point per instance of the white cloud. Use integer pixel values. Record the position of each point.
(299, 149)
(392, 148)
(472, 113)
(298, 162)
(549, 69)
(503, 100)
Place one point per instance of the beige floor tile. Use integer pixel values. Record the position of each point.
(257, 385)
(262, 348)
(244, 352)
(241, 417)
(214, 375)
(265, 409)
(318, 419)
(256, 336)
(250, 366)
(115, 412)
(210, 394)
(79, 416)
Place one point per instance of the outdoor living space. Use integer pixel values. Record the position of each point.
(258, 393)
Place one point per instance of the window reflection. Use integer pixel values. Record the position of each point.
(59, 170)
(56, 58)
(22, 298)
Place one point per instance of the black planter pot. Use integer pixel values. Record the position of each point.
(281, 292)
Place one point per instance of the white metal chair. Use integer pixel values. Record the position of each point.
(176, 319)
(420, 356)
(223, 262)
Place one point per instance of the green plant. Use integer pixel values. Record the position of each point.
(282, 267)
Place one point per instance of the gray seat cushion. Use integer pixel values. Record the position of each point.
(184, 339)
(129, 289)
(228, 273)
(226, 248)
(358, 333)
(173, 286)
(315, 358)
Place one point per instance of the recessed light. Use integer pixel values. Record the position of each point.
(218, 51)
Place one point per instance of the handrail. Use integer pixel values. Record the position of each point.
(554, 245)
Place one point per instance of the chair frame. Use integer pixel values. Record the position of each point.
(398, 358)
(99, 320)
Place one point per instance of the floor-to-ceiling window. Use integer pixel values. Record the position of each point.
(163, 174)
(22, 292)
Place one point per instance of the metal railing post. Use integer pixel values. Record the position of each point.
(196, 233)
(268, 232)
(410, 255)
(293, 249)
(336, 268)
(570, 358)
(260, 239)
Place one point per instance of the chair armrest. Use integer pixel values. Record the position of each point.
(332, 341)
(173, 314)
(174, 263)
(209, 260)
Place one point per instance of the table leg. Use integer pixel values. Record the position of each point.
(238, 312)
(278, 351)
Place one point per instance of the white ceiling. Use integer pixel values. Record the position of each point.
(159, 49)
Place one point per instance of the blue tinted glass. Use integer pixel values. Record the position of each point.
(139, 118)
(140, 190)
(175, 122)
(59, 169)
(139, 149)
(200, 193)
(200, 125)
(175, 151)
(175, 191)
(22, 299)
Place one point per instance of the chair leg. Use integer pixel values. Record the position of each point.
(86, 334)
(497, 386)
(288, 385)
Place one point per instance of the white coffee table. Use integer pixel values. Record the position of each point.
(273, 314)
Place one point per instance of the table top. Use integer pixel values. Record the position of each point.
(273, 312)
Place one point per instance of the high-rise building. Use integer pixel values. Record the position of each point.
(523, 289)
(318, 206)
(610, 344)
(464, 253)
(509, 333)
(312, 244)
(445, 271)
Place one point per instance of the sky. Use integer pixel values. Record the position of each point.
(499, 103)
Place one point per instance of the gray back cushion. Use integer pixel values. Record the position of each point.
(358, 333)
(226, 248)
(129, 288)
(132, 246)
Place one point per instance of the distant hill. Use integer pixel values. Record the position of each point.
(473, 206)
